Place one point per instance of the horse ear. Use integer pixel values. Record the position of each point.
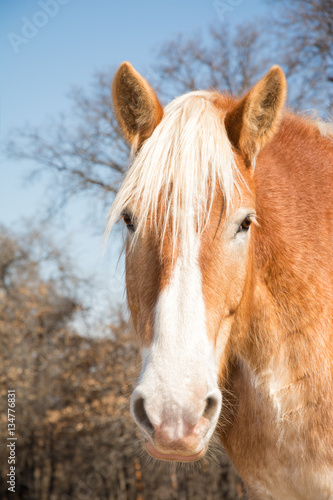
(255, 119)
(136, 106)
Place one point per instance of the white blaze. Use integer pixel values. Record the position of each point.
(179, 370)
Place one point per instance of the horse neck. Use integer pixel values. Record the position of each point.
(291, 314)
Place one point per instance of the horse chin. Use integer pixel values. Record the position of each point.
(173, 457)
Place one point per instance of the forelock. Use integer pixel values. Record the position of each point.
(172, 179)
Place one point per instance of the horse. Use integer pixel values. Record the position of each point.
(229, 277)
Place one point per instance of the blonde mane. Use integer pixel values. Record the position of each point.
(174, 176)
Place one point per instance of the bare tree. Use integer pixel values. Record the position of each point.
(85, 154)
(227, 60)
(304, 32)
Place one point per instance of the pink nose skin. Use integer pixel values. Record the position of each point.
(186, 448)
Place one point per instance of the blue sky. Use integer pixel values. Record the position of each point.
(46, 49)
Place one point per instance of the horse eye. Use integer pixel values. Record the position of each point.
(128, 221)
(245, 225)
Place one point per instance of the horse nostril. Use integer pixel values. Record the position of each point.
(212, 406)
(140, 415)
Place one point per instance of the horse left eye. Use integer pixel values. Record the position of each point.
(245, 225)
(128, 221)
